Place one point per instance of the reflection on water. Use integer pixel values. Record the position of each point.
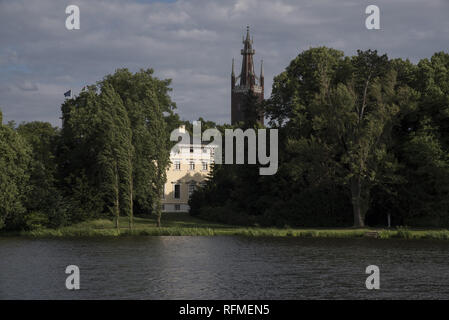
(223, 268)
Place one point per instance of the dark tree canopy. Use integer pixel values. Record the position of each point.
(361, 138)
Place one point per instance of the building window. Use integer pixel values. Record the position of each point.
(177, 191)
(177, 207)
(204, 166)
(192, 187)
(192, 165)
(191, 149)
(163, 207)
(177, 165)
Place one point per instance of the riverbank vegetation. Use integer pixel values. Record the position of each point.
(362, 140)
(182, 224)
(108, 160)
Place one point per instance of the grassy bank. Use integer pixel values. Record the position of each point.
(181, 224)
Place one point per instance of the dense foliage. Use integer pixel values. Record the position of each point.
(108, 159)
(15, 158)
(360, 138)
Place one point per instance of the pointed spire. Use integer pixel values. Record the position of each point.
(247, 76)
(248, 81)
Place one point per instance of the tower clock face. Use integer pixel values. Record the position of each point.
(216, 151)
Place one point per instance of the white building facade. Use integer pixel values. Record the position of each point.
(190, 166)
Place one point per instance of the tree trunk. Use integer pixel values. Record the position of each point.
(131, 212)
(117, 204)
(158, 214)
(357, 202)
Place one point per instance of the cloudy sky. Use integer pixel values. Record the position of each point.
(191, 42)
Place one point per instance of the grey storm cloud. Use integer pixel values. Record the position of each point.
(192, 42)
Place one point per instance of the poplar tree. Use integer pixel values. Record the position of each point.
(114, 148)
(116, 153)
(148, 104)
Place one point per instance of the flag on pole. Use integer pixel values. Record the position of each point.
(68, 94)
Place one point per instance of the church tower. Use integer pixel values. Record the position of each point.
(248, 82)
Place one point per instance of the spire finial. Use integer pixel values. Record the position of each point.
(261, 68)
(247, 33)
(233, 67)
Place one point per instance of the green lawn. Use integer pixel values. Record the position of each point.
(182, 224)
(169, 220)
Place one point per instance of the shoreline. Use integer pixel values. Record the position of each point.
(378, 234)
(182, 224)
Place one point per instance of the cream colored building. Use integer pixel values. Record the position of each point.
(190, 165)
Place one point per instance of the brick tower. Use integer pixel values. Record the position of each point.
(248, 82)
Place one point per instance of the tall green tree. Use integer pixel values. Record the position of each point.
(150, 110)
(77, 156)
(352, 120)
(44, 198)
(116, 154)
(423, 144)
(124, 114)
(15, 157)
(343, 111)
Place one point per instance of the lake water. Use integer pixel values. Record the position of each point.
(223, 268)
